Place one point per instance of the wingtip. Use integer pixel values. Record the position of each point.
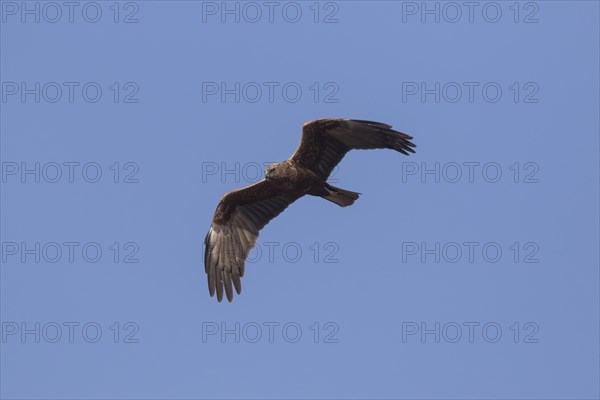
(370, 123)
(219, 293)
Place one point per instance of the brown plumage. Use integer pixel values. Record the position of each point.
(242, 213)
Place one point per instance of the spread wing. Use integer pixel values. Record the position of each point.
(325, 142)
(240, 215)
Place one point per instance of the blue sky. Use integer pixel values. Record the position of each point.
(467, 270)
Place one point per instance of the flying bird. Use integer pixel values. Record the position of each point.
(242, 213)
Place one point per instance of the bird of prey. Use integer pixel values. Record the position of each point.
(242, 213)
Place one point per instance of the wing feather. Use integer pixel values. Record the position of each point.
(326, 141)
(239, 217)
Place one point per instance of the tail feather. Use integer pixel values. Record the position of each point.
(341, 197)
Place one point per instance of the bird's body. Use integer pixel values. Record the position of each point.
(242, 213)
(292, 178)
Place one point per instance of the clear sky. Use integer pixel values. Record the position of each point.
(468, 270)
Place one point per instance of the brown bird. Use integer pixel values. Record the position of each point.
(242, 213)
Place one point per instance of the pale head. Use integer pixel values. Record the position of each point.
(274, 171)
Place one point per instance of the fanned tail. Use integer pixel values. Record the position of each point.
(341, 197)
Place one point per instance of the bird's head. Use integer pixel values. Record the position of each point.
(271, 171)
